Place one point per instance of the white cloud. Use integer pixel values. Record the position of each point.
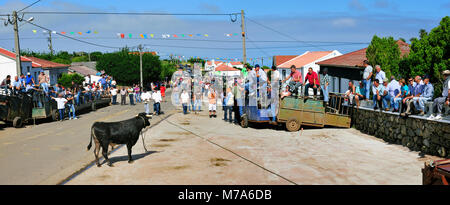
(356, 5)
(344, 22)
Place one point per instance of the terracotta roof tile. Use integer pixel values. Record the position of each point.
(12, 55)
(305, 59)
(45, 63)
(224, 67)
(278, 60)
(356, 58)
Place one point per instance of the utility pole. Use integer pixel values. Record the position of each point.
(140, 59)
(16, 44)
(50, 45)
(243, 37)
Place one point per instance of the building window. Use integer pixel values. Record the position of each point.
(28, 69)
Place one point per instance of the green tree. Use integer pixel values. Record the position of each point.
(96, 55)
(80, 59)
(125, 67)
(386, 53)
(62, 61)
(430, 55)
(66, 79)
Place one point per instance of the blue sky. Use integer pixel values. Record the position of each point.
(326, 21)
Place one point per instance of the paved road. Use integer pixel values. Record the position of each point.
(49, 152)
(195, 149)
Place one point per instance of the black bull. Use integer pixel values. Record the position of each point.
(111, 133)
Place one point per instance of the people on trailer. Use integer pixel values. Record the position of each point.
(296, 80)
(313, 82)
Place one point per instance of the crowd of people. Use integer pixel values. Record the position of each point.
(406, 95)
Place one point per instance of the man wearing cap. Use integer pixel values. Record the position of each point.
(439, 103)
(427, 95)
(416, 92)
(29, 79)
(258, 84)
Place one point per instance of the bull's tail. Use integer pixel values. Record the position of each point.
(92, 135)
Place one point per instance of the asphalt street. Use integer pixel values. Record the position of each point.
(49, 152)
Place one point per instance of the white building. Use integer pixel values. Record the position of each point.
(226, 70)
(212, 65)
(305, 61)
(8, 65)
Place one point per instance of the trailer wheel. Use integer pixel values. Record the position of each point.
(93, 108)
(55, 115)
(292, 125)
(244, 121)
(17, 122)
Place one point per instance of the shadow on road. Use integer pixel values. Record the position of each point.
(134, 156)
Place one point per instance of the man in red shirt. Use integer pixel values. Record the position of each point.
(313, 82)
(163, 92)
(296, 80)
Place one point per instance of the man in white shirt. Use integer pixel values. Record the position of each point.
(146, 96)
(61, 102)
(184, 100)
(258, 86)
(367, 75)
(156, 96)
(113, 92)
(380, 75)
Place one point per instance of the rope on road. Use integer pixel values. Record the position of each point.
(231, 151)
(89, 165)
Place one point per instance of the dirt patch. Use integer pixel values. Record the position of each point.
(160, 145)
(180, 167)
(219, 162)
(104, 177)
(167, 140)
(178, 133)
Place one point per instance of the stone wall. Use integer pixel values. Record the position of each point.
(418, 134)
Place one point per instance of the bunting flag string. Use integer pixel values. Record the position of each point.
(142, 35)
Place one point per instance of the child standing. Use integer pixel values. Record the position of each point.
(61, 102)
(212, 103)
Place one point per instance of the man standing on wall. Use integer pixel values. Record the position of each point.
(367, 75)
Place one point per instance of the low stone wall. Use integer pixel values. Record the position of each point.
(416, 133)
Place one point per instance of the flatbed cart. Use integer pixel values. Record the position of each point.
(15, 109)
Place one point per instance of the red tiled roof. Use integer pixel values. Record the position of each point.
(404, 48)
(356, 58)
(215, 62)
(281, 59)
(12, 55)
(235, 63)
(45, 63)
(304, 59)
(353, 59)
(224, 67)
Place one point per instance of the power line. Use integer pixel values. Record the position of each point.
(274, 30)
(207, 40)
(29, 5)
(124, 13)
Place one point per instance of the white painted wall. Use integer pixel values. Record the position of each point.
(8, 67)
